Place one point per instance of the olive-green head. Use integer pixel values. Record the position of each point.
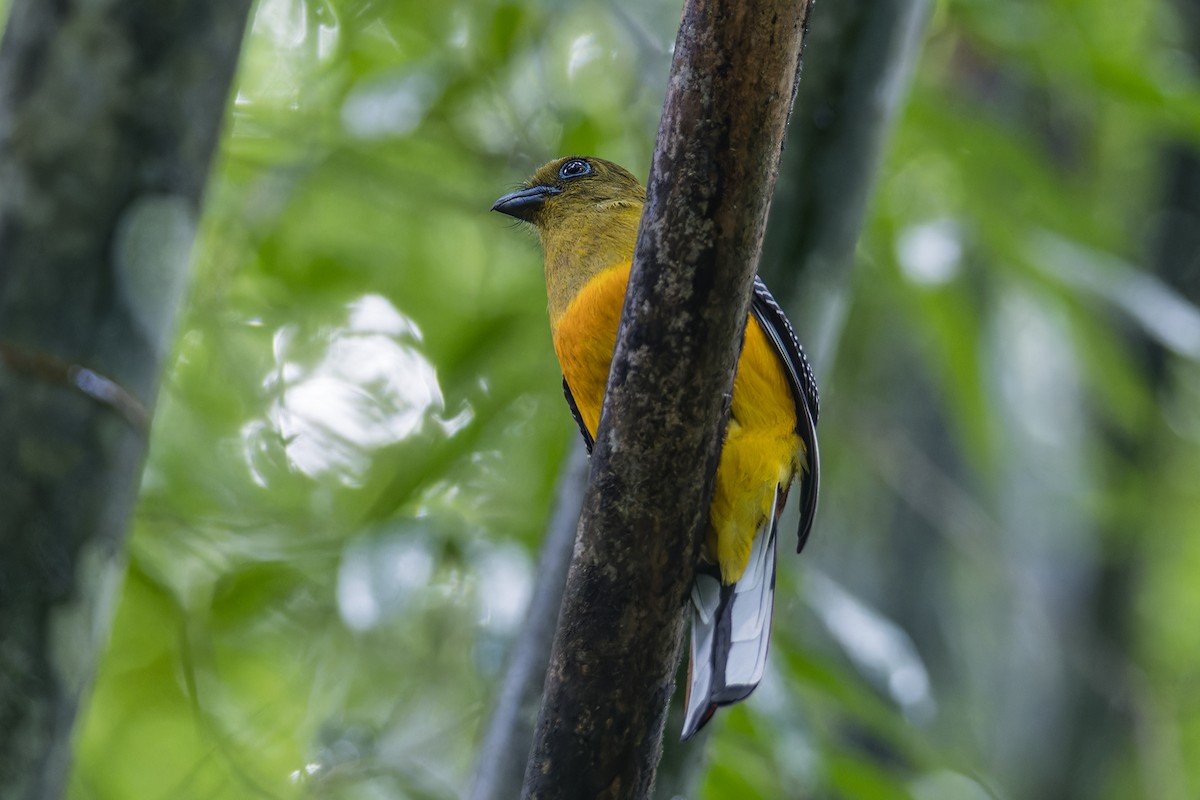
(566, 189)
(586, 212)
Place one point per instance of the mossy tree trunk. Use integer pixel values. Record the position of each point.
(109, 115)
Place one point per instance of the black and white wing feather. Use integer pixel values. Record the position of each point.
(804, 390)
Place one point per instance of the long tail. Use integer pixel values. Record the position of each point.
(731, 628)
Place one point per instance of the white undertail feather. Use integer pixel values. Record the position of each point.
(731, 628)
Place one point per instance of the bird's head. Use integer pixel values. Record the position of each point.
(586, 211)
(571, 191)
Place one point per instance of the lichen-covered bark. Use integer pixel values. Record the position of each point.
(109, 114)
(612, 666)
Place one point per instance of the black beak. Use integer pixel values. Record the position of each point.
(525, 204)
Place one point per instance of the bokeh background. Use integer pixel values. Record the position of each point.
(357, 443)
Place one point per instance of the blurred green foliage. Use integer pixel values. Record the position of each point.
(355, 448)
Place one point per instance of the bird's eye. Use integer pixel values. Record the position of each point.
(574, 168)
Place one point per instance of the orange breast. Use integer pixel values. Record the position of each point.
(586, 336)
(761, 448)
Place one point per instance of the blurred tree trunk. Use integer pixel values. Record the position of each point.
(612, 665)
(1176, 248)
(1105, 709)
(853, 87)
(501, 766)
(109, 115)
(1109, 711)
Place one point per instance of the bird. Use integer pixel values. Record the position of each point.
(586, 212)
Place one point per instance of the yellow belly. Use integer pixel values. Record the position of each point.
(761, 449)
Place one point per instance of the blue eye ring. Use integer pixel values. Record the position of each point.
(574, 168)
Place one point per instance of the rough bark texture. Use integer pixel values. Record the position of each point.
(505, 747)
(109, 114)
(612, 666)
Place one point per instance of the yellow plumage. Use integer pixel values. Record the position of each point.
(761, 445)
(586, 213)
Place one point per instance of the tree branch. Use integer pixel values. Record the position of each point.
(612, 665)
(859, 55)
(109, 115)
